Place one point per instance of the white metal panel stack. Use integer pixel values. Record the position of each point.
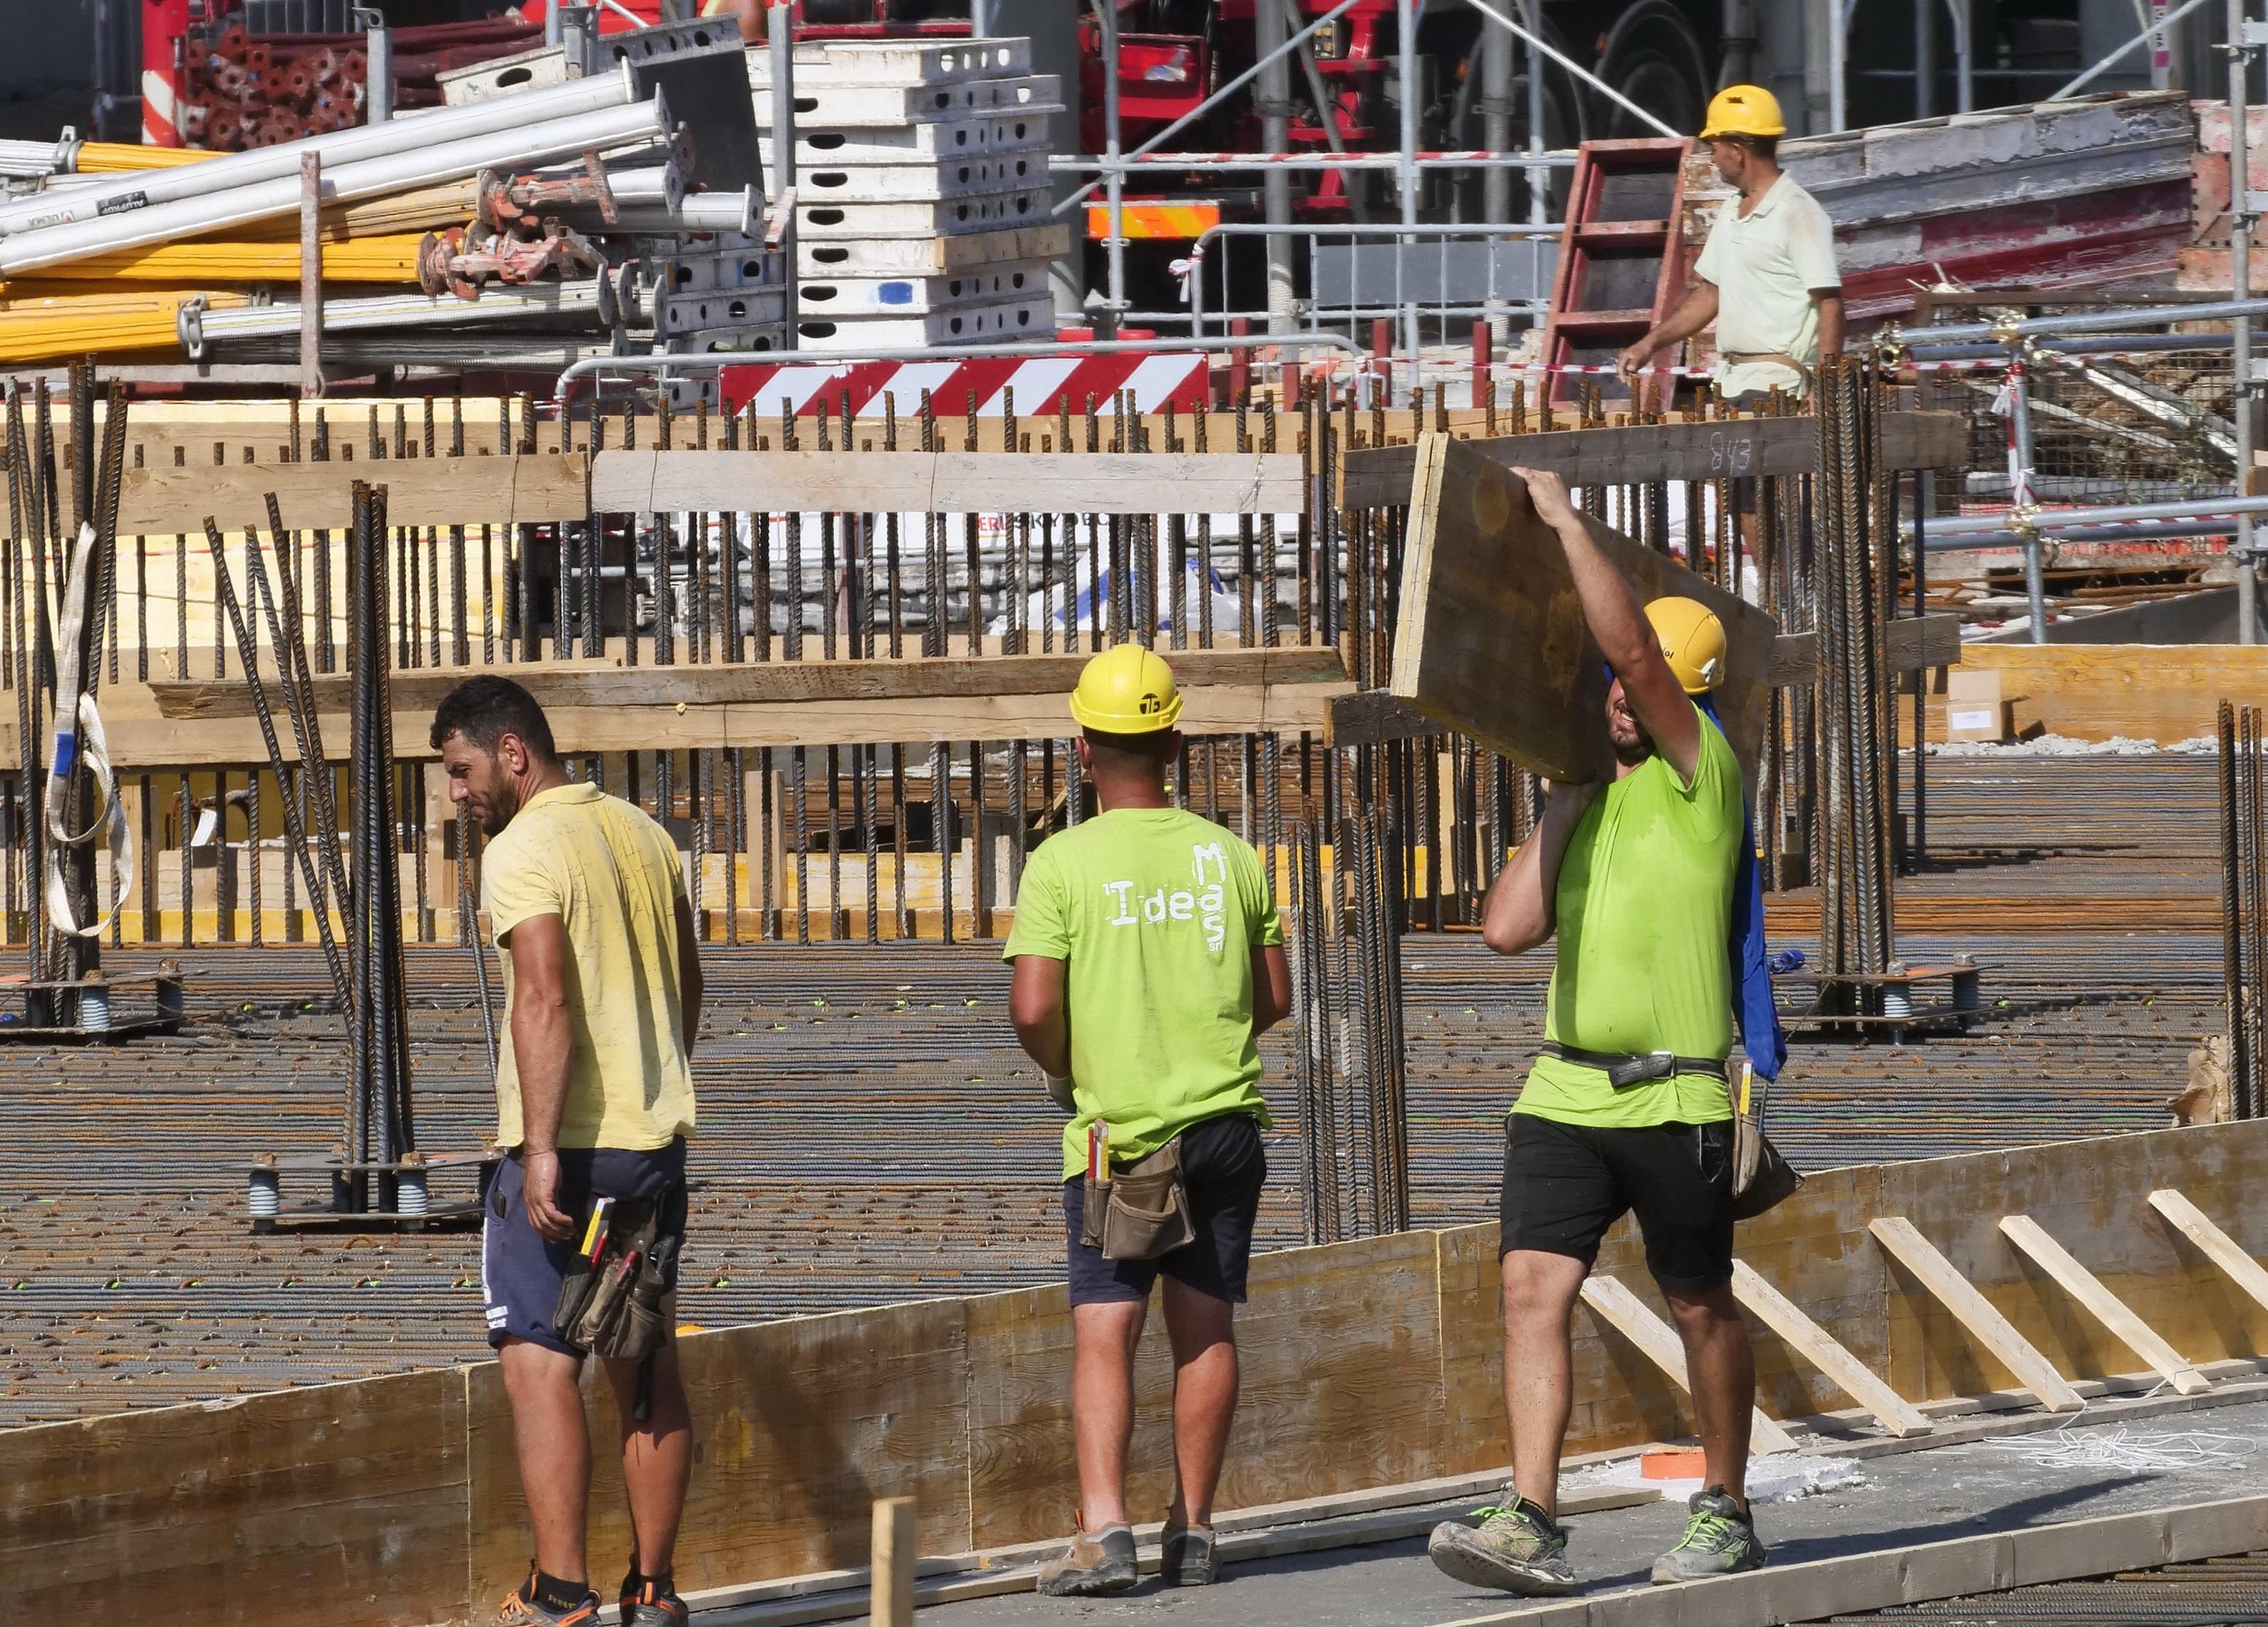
(922, 193)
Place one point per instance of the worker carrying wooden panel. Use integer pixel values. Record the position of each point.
(1638, 870)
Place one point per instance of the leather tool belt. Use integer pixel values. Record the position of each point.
(1623, 1070)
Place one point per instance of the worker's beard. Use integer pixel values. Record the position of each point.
(1631, 743)
(497, 809)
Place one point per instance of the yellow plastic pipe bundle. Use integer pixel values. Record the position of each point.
(392, 259)
(54, 328)
(112, 157)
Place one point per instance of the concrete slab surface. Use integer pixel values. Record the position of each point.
(2083, 1472)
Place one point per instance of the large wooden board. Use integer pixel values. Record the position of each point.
(1492, 642)
(1700, 449)
(608, 683)
(164, 500)
(2098, 692)
(238, 1512)
(948, 483)
(1342, 1388)
(799, 1426)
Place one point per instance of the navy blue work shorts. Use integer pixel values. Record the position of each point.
(521, 1270)
(1224, 1168)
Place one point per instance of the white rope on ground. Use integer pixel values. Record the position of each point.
(2134, 1450)
(78, 735)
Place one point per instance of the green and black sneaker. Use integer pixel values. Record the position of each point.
(1719, 1541)
(1516, 1547)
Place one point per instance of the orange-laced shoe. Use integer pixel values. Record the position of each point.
(523, 1608)
(650, 1603)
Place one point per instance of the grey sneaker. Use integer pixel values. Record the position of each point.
(1100, 1561)
(1185, 1557)
(1719, 1541)
(1517, 1548)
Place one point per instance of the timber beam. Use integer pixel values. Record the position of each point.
(1643, 453)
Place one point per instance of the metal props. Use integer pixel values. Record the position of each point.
(2244, 905)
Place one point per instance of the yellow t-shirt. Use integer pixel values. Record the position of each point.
(611, 874)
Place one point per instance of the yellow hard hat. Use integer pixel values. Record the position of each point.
(1128, 690)
(1743, 110)
(1692, 642)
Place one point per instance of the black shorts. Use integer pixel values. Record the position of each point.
(1224, 1166)
(1566, 1184)
(521, 1270)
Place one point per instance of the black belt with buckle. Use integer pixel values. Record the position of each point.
(1623, 1070)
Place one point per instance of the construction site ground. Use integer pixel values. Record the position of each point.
(842, 1085)
(1931, 1495)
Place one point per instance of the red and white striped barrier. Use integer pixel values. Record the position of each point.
(1040, 384)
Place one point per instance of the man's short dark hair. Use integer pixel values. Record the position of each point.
(486, 709)
(1766, 147)
(1132, 751)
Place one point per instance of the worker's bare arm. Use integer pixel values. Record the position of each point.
(1271, 987)
(1617, 621)
(1517, 915)
(1694, 313)
(541, 1036)
(1828, 303)
(1036, 1006)
(689, 975)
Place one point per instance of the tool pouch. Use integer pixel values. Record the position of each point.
(612, 1306)
(1145, 1213)
(1762, 1179)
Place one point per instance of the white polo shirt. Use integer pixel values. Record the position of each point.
(1765, 265)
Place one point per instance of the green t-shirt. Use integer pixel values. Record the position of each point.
(1158, 912)
(1643, 905)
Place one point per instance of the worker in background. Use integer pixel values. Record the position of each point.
(1148, 961)
(1627, 1106)
(586, 1216)
(1766, 277)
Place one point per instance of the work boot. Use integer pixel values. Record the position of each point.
(1719, 1541)
(1097, 1562)
(651, 1602)
(1516, 1547)
(1185, 1557)
(530, 1606)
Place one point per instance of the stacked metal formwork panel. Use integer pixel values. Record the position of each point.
(922, 193)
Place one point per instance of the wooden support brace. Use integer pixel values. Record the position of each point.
(1973, 1311)
(1823, 1351)
(2215, 1244)
(893, 1563)
(2105, 1306)
(1658, 1342)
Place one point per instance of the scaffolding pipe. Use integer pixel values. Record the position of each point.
(1405, 22)
(400, 172)
(2222, 509)
(1445, 158)
(2240, 287)
(779, 39)
(591, 299)
(2020, 422)
(1536, 42)
(1113, 179)
(2090, 322)
(1273, 102)
(118, 195)
(2145, 37)
(1977, 543)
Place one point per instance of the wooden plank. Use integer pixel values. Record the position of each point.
(239, 1512)
(607, 683)
(1491, 641)
(2083, 1285)
(145, 741)
(893, 1567)
(644, 482)
(2215, 1244)
(2098, 692)
(162, 500)
(800, 1426)
(1916, 1252)
(1696, 449)
(1911, 643)
(1659, 1342)
(1821, 1348)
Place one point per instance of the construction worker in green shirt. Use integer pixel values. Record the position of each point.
(1148, 960)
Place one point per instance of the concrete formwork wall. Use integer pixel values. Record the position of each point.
(1365, 1364)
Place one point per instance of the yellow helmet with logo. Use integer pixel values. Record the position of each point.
(1128, 690)
(1692, 642)
(1743, 110)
